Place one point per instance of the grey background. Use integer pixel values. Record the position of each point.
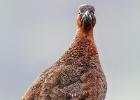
(35, 33)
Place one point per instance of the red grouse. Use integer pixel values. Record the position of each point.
(77, 75)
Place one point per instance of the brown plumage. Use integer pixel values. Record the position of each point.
(77, 75)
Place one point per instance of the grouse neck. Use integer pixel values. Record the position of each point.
(85, 34)
(85, 40)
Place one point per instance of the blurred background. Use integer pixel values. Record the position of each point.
(35, 33)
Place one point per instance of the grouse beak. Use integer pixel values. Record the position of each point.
(87, 18)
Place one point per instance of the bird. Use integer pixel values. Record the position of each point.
(77, 74)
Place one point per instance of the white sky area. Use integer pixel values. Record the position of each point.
(35, 33)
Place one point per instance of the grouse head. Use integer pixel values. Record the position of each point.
(86, 17)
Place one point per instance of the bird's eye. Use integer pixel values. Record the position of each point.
(79, 13)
